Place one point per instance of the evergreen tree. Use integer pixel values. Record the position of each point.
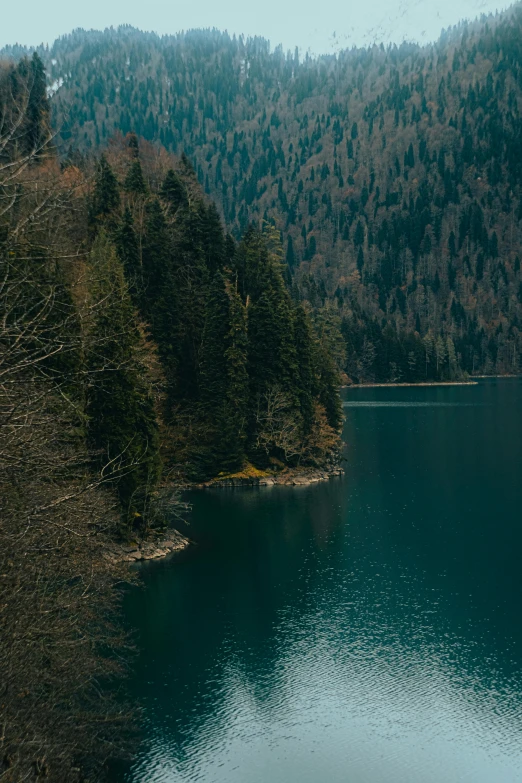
(272, 355)
(328, 384)
(105, 199)
(126, 243)
(236, 352)
(213, 238)
(161, 297)
(363, 163)
(307, 385)
(133, 145)
(239, 359)
(135, 181)
(290, 255)
(213, 380)
(174, 191)
(37, 115)
(213, 370)
(122, 426)
(191, 281)
(157, 268)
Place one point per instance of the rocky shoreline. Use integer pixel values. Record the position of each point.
(173, 541)
(286, 478)
(151, 549)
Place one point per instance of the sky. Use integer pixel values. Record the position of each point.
(318, 26)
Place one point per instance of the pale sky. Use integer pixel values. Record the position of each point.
(319, 26)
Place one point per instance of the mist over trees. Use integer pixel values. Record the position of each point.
(393, 173)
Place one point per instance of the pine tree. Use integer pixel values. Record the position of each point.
(213, 380)
(192, 282)
(173, 191)
(213, 238)
(213, 371)
(105, 199)
(452, 357)
(37, 116)
(133, 145)
(272, 355)
(329, 388)
(157, 268)
(307, 386)
(135, 181)
(237, 382)
(122, 426)
(161, 297)
(290, 255)
(126, 243)
(429, 350)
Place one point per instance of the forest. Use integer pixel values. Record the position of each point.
(200, 239)
(142, 348)
(392, 174)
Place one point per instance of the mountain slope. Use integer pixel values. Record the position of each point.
(396, 173)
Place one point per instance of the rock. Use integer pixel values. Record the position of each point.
(285, 478)
(146, 550)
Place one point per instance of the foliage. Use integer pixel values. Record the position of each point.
(58, 639)
(122, 427)
(228, 335)
(137, 343)
(395, 173)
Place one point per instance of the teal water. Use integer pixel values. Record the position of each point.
(365, 630)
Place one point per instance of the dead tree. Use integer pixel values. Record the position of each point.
(60, 642)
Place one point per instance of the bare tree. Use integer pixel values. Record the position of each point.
(59, 638)
(279, 425)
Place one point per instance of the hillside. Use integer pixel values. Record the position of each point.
(395, 173)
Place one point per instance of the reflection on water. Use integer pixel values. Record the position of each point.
(360, 631)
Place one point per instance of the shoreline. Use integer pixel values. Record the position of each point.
(173, 541)
(148, 549)
(412, 385)
(290, 477)
(160, 546)
(473, 381)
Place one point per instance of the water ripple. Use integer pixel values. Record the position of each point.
(365, 630)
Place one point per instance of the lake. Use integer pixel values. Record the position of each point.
(363, 630)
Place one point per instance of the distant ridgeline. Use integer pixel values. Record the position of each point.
(395, 173)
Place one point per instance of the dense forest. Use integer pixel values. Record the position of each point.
(198, 236)
(241, 372)
(393, 174)
(140, 347)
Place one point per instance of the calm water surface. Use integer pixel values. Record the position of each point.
(365, 630)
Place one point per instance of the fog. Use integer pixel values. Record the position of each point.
(318, 27)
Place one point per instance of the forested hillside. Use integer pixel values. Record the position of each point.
(244, 374)
(393, 174)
